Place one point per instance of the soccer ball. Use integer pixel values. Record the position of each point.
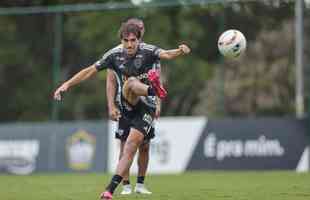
(231, 43)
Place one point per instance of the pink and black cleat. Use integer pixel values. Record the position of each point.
(106, 195)
(154, 78)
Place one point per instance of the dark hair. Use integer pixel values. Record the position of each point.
(127, 28)
(134, 20)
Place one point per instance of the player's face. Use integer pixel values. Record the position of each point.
(130, 43)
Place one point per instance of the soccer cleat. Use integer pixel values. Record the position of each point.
(153, 76)
(126, 190)
(106, 195)
(141, 189)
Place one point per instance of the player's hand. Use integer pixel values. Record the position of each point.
(185, 49)
(63, 88)
(157, 112)
(114, 113)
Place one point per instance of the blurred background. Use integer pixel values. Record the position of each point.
(48, 45)
(246, 113)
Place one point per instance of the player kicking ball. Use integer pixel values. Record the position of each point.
(133, 66)
(116, 113)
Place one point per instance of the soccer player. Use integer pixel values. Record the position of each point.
(121, 57)
(124, 127)
(137, 81)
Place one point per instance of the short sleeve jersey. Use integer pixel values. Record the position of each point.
(146, 58)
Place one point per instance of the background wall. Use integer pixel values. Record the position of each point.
(181, 144)
(53, 147)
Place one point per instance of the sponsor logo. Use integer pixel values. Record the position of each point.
(81, 150)
(142, 76)
(120, 132)
(19, 156)
(147, 118)
(138, 62)
(260, 147)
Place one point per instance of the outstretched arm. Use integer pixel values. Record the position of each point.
(114, 113)
(173, 53)
(77, 78)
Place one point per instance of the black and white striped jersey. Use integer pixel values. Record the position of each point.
(146, 58)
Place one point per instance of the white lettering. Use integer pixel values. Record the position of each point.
(261, 147)
(230, 148)
(209, 145)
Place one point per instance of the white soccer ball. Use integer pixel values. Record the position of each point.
(231, 43)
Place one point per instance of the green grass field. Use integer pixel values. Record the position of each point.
(210, 185)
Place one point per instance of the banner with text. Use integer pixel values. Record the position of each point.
(229, 144)
(53, 147)
(252, 144)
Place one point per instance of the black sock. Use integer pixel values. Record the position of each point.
(140, 179)
(126, 182)
(151, 91)
(115, 181)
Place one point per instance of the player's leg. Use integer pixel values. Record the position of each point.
(126, 183)
(121, 134)
(133, 141)
(143, 160)
(133, 88)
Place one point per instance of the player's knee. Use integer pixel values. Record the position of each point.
(129, 86)
(129, 90)
(130, 148)
(131, 82)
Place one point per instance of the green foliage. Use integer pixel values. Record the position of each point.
(27, 49)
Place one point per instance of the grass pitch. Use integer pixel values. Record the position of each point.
(211, 185)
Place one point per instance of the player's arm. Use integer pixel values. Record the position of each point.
(173, 53)
(114, 113)
(157, 66)
(82, 75)
(158, 107)
(77, 78)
